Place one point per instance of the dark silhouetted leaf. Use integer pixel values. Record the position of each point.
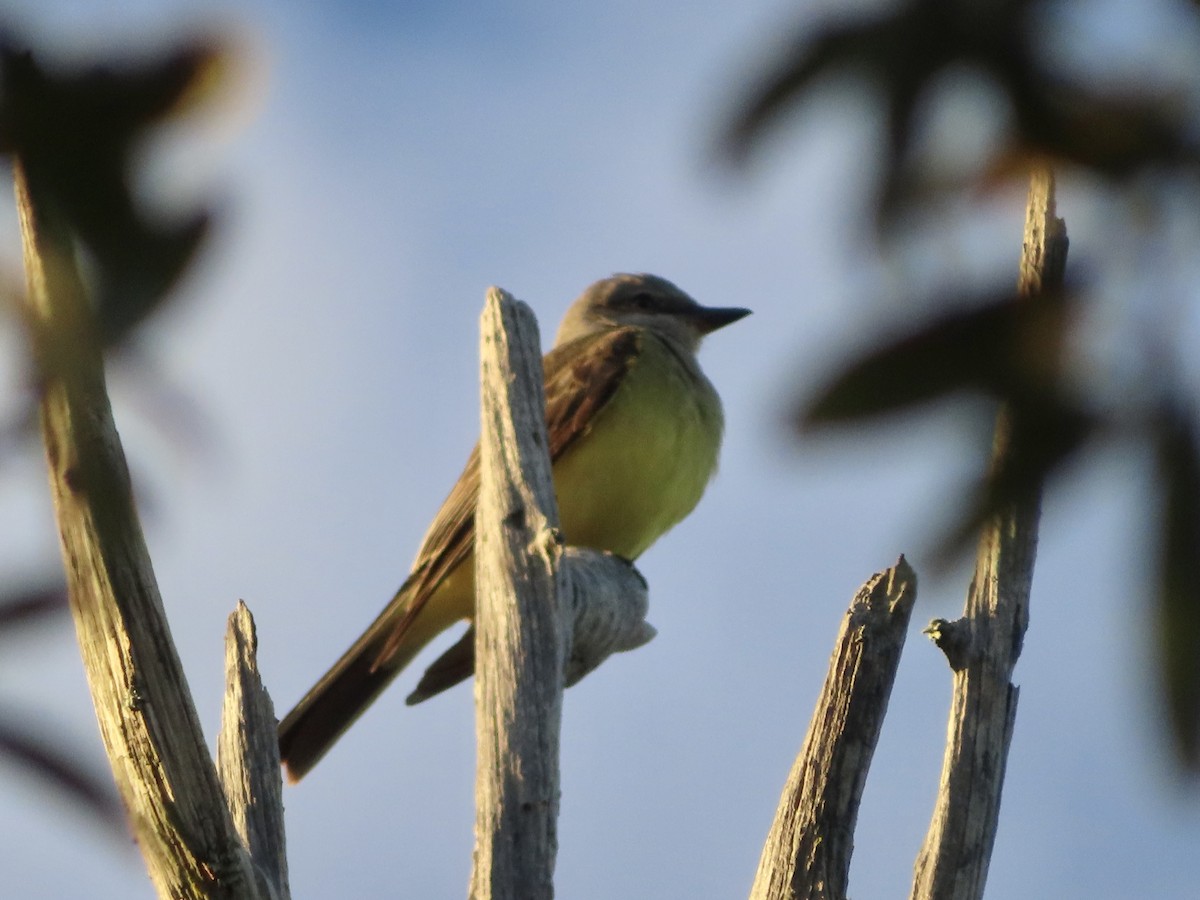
(1114, 135)
(1006, 347)
(902, 52)
(27, 604)
(1040, 435)
(60, 771)
(17, 430)
(1179, 585)
(75, 133)
(1045, 435)
(838, 48)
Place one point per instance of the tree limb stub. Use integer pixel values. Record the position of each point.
(807, 853)
(248, 758)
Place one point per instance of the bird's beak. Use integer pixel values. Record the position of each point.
(709, 318)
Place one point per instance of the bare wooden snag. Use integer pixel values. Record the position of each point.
(149, 726)
(519, 629)
(807, 853)
(983, 646)
(546, 615)
(248, 758)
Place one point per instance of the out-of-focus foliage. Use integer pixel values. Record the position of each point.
(1001, 346)
(63, 771)
(901, 52)
(21, 607)
(1114, 131)
(1008, 348)
(76, 133)
(1179, 538)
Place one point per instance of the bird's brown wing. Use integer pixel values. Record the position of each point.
(580, 378)
(580, 381)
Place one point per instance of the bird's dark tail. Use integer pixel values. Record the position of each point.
(344, 692)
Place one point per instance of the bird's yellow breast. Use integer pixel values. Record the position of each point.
(644, 461)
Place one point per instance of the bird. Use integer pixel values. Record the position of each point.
(635, 431)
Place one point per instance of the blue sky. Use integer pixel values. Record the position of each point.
(388, 164)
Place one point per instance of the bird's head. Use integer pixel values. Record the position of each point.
(644, 301)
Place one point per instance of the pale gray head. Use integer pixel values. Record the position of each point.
(644, 301)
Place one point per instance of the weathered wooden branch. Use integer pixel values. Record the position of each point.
(545, 615)
(520, 640)
(248, 758)
(983, 646)
(148, 723)
(807, 853)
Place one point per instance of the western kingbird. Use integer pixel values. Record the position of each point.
(634, 428)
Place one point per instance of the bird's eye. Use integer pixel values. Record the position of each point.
(641, 300)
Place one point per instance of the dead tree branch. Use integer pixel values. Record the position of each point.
(248, 758)
(807, 853)
(545, 615)
(147, 720)
(983, 646)
(520, 641)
